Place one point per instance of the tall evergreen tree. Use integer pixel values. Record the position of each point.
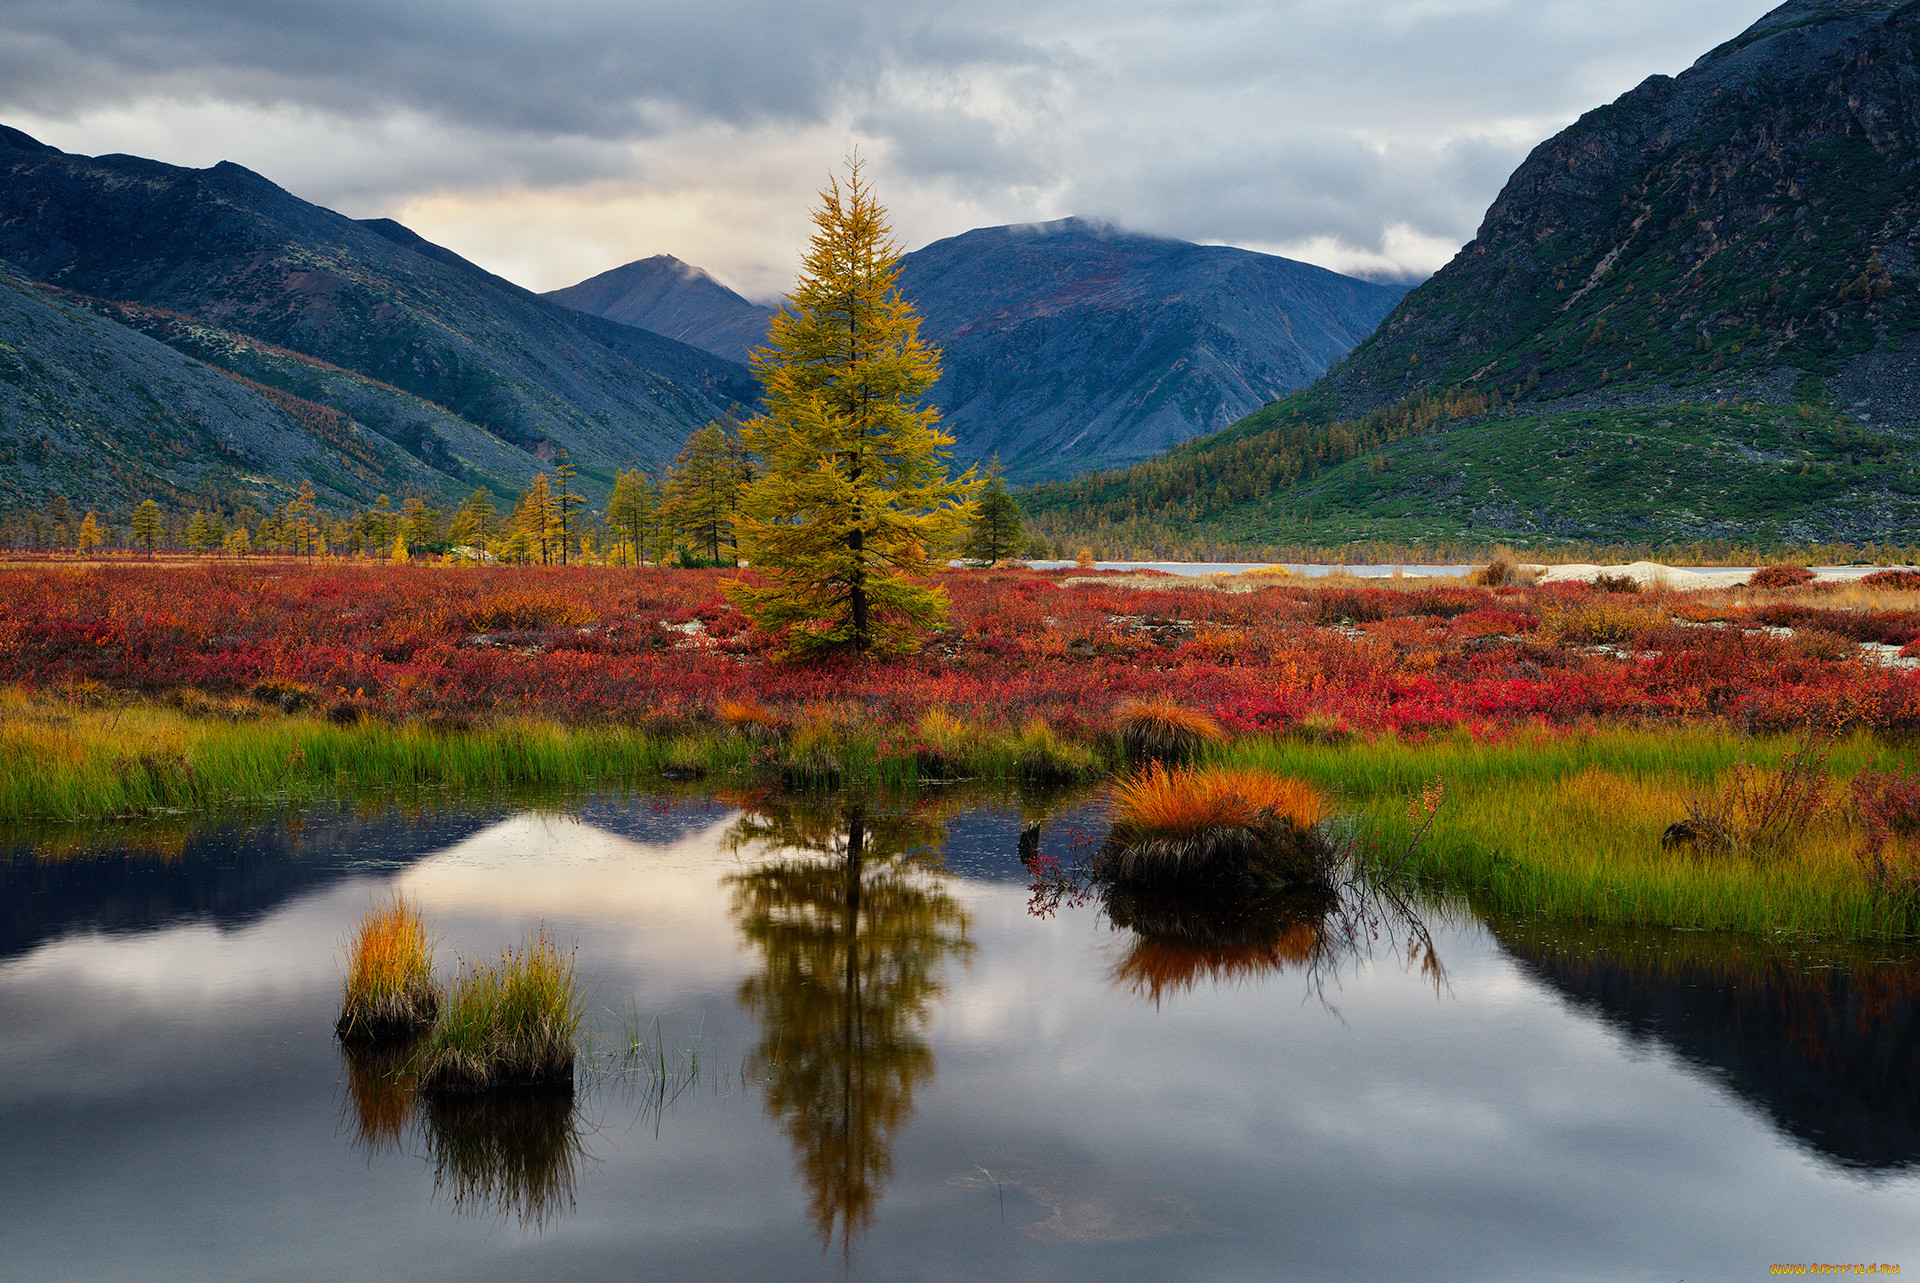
(146, 526)
(853, 487)
(302, 523)
(995, 532)
(91, 536)
(534, 517)
(565, 500)
(630, 511)
(703, 494)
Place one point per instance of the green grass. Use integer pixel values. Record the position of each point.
(66, 765)
(1568, 828)
(509, 1023)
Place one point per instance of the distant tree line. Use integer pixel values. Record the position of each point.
(685, 513)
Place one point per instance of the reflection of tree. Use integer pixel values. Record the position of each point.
(854, 926)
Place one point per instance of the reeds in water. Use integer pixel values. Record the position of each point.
(1160, 730)
(1215, 824)
(507, 1024)
(388, 991)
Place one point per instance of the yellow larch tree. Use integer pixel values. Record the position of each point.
(853, 487)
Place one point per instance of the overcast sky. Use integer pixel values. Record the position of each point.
(551, 140)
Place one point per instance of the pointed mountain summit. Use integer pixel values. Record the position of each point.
(1692, 315)
(676, 299)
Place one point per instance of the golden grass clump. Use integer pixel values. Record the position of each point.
(1159, 730)
(507, 1024)
(1214, 824)
(1507, 571)
(750, 718)
(388, 992)
(518, 610)
(1042, 756)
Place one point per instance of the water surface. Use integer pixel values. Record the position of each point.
(904, 1073)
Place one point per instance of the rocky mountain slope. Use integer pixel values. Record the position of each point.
(477, 377)
(1717, 271)
(1067, 346)
(676, 299)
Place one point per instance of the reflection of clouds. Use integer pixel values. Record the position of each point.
(1371, 133)
(1084, 1211)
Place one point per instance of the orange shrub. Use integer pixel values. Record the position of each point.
(1158, 729)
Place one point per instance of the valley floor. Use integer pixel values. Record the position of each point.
(1571, 727)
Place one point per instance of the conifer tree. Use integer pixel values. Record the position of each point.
(146, 526)
(630, 510)
(473, 521)
(91, 536)
(534, 518)
(995, 532)
(703, 498)
(238, 542)
(853, 486)
(565, 500)
(302, 522)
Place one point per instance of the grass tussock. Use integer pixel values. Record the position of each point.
(388, 993)
(1162, 730)
(507, 1024)
(1215, 824)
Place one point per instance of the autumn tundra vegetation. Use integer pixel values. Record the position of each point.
(1588, 734)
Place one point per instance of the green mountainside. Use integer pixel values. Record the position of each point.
(1693, 314)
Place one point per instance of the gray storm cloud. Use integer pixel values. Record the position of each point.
(1348, 126)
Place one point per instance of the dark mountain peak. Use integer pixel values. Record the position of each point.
(673, 298)
(15, 140)
(1743, 225)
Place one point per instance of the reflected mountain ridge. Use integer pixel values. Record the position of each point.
(231, 871)
(1824, 1044)
(850, 913)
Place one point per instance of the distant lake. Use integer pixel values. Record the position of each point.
(939, 1085)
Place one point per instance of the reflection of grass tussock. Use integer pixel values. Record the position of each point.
(388, 990)
(1161, 730)
(381, 1092)
(1181, 942)
(508, 1024)
(510, 1154)
(1215, 823)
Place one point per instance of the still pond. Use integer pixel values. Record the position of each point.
(935, 1081)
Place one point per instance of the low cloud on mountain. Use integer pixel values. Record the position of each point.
(552, 140)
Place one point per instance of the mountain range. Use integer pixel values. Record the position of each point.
(403, 366)
(1065, 346)
(1692, 315)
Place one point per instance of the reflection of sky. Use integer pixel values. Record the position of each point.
(169, 1108)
